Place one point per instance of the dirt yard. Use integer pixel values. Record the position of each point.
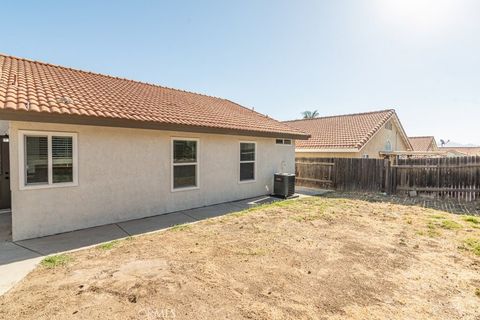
(315, 258)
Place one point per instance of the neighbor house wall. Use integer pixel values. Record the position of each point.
(126, 174)
(379, 141)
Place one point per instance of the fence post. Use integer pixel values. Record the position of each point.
(386, 164)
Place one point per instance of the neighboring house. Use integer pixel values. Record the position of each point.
(362, 135)
(461, 151)
(423, 144)
(87, 149)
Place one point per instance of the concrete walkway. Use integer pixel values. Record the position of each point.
(18, 258)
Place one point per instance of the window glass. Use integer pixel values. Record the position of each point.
(36, 159)
(62, 159)
(48, 158)
(247, 151)
(283, 141)
(247, 171)
(184, 164)
(185, 176)
(388, 146)
(247, 161)
(184, 151)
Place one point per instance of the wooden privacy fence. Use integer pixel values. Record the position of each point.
(346, 174)
(315, 172)
(457, 178)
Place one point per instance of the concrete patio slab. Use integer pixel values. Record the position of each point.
(74, 240)
(211, 211)
(5, 226)
(248, 203)
(14, 272)
(15, 263)
(10, 252)
(150, 224)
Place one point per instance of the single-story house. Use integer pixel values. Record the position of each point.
(84, 149)
(361, 135)
(461, 151)
(423, 144)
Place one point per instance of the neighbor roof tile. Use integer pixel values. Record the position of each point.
(349, 131)
(422, 143)
(468, 151)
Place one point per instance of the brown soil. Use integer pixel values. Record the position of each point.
(314, 258)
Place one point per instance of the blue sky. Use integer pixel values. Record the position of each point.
(421, 57)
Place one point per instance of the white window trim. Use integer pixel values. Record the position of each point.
(172, 165)
(283, 142)
(249, 161)
(21, 159)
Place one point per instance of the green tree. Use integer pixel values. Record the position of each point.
(310, 114)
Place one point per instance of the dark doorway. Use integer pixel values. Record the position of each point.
(5, 200)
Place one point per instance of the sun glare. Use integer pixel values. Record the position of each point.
(421, 15)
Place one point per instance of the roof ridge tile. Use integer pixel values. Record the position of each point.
(342, 115)
(350, 131)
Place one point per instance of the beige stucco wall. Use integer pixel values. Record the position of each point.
(126, 174)
(376, 144)
(379, 141)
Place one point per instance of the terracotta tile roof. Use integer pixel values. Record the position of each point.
(350, 131)
(467, 151)
(36, 88)
(423, 143)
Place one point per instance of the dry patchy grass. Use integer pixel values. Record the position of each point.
(314, 258)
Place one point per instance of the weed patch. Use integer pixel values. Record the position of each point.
(472, 220)
(451, 225)
(55, 261)
(473, 245)
(180, 227)
(432, 230)
(109, 245)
